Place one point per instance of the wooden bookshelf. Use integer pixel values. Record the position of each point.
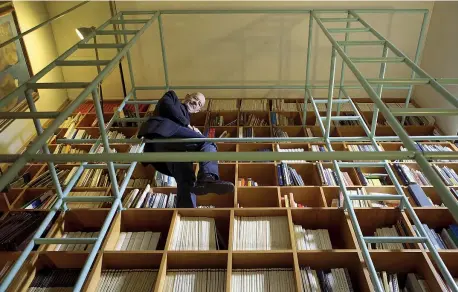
(267, 199)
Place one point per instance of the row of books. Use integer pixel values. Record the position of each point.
(402, 282)
(410, 175)
(44, 179)
(246, 132)
(139, 280)
(262, 280)
(162, 180)
(254, 105)
(138, 182)
(282, 106)
(47, 279)
(261, 233)
(328, 176)
(18, 228)
(308, 239)
(43, 201)
(67, 149)
(420, 121)
(288, 176)
(247, 182)
(326, 280)
(72, 121)
(430, 148)
(277, 119)
(367, 203)
(76, 247)
(448, 175)
(396, 230)
(146, 240)
(217, 121)
(148, 199)
(279, 149)
(115, 135)
(279, 133)
(372, 179)
(209, 280)
(252, 120)
(73, 133)
(362, 148)
(447, 238)
(223, 105)
(194, 233)
(91, 178)
(86, 205)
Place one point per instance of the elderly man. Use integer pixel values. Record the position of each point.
(171, 119)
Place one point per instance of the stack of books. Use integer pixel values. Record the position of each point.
(127, 280)
(247, 182)
(138, 182)
(81, 205)
(262, 280)
(194, 233)
(328, 176)
(44, 201)
(448, 175)
(288, 176)
(18, 228)
(447, 238)
(44, 180)
(54, 280)
(195, 280)
(362, 148)
(147, 240)
(252, 120)
(115, 135)
(367, 203)
(162, 180)
(372, 179)
(271, 233)
(326, 280)
(90, 178)
(394, 231)
(402, 282)
(254, 105)
(430, 148)
(277, 119)
(290, 150)
(280, 133)
(72, 121)
(410, 175)
(223, 105)
(73, 133)
(307, 239)
(148, 199)
(279, 105)
(67, 149)
(76, 247)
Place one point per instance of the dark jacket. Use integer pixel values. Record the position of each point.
(168, 116)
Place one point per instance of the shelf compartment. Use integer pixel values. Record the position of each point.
(263, 174)
(199, 119)
(295, 117)
(307, 196)
(253, 197)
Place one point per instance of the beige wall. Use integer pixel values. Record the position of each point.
(440, 60)
(239, 49)
(42, 51)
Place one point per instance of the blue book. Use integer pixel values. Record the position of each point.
(280, 175)
(419, 196)
(454, 229)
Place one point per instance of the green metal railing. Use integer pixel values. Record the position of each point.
(373, 87)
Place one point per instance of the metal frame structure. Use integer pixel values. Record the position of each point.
(111, 161)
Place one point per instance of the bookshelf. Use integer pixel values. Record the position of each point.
(268, 199)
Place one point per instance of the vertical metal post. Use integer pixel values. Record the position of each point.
(330, 93)
(106, 145)
(307, 71)
(131, 72)
(164, 56)
(39, 129)
(342, 70)
(379, 92)
(418, 52)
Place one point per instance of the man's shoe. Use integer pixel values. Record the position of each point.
(208, 184)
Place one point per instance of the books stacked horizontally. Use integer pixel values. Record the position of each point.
(43, 201)
(195, 280)
(138, 240)
(372, 179)
(223, 105)
(277, 119)
(394, 231)
(76, 247)
(280, 133)
(402, 282)
(54, 280)
(447, 238)
(254, 105)
(72, 121)
(247, 182)
(262, 280)
(17, 228)
(328, 176)
(67, 149)
(307, 239)
(162, 180)
(127, 280)
(261, 233)
(86, 205)
(291, 150)
(419, 196)
(288, 176)
(252, 120)
(44, 180)
(448, 175)
(149, 199)
(368, 203)
(280, 105)
(194, 233)
(410, 175)
(326, 280)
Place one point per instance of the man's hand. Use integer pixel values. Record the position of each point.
(194, 129)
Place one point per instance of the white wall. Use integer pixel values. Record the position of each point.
(41, 49)
(241, 49)
(440, 60)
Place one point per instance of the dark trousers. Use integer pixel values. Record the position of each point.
(183, 171)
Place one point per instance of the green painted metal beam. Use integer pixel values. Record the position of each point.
(82, 62)
(399, 81)
(29, 115)
(377, 60)
(424, 111)
(343, 30)
(129, 21)
(332, 19)
(116, 32)
(361, 43)
(100, 46)
(58, 85)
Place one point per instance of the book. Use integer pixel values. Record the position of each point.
(195, 280)
(141, 280)
(194, 233)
